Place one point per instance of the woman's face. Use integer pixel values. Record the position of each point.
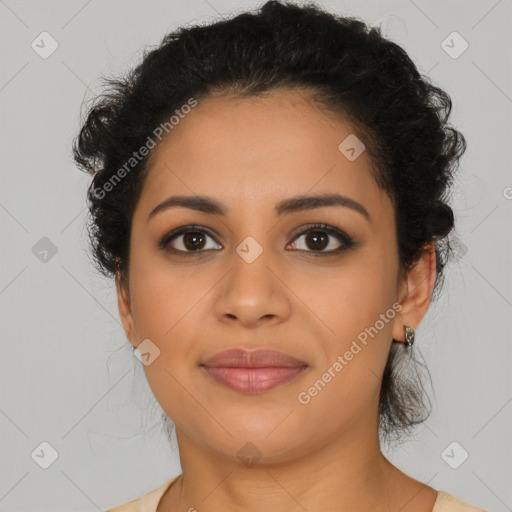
(259, 275)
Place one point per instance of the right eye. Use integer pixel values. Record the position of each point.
(187, 239)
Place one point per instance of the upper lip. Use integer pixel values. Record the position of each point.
(259, 358)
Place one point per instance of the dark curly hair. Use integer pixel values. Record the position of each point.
(346, 67)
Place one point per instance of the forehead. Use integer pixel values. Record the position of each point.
(279, 123)
(267, 147)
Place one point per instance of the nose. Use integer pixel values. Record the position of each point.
(253, 294)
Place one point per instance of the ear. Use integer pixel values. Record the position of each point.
(125, 312)
(415, 292)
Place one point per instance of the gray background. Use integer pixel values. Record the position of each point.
(68, 376)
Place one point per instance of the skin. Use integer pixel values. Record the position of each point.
(249, 154)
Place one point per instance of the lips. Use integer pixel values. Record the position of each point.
(253, 371)
(259, 358)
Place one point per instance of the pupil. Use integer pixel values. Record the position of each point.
(315, 236)
(195, 238)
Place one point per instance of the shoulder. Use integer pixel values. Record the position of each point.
(146, 503)
(447, 503)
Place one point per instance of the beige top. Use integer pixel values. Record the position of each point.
(149, 502)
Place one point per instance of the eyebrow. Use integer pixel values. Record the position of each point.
(208, 205)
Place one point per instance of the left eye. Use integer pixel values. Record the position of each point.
(319, 239)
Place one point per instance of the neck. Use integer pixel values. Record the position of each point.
(349, 473)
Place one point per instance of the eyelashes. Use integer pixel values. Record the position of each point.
(324, 234)
(319, 235)
(197, 231)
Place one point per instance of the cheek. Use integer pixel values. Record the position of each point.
(356, 303)
(167, 308)
(352, 297)
(347, 382)
(170, 306)
(164, 293)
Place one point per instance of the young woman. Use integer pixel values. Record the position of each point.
(270, 193)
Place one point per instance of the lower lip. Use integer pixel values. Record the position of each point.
(254, 380)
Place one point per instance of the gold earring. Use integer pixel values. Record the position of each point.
(408, 335)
